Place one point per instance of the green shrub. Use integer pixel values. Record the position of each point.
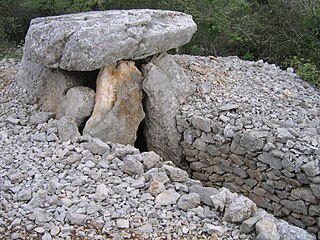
(305, 69)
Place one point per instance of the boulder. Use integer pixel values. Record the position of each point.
(189, 201)
(78, 103)
(239, 210)
(267, 229)
(118, 108)
(132, 166)
(67, 128)
(166, 86)
(44, 85)
(180, 82)
(167, 197)
(93, 40)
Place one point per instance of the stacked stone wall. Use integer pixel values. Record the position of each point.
(274, 163)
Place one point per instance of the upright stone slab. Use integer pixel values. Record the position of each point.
(93, 40)
(118, 108)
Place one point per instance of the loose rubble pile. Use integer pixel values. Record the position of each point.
(255, 130)
(89, 189)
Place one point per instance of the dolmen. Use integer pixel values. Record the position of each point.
(108, 71)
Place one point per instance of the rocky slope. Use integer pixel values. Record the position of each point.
(87, 189)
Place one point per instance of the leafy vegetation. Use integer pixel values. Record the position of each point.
(283, 32)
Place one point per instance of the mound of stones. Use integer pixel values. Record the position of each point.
(87, 188)
(255, 130)
(246, 126)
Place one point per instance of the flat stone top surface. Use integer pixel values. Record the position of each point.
(92, 40)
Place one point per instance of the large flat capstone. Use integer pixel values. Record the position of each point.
(93, 40)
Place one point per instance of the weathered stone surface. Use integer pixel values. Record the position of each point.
(304, 193)
(290, 232)
(161, 108)
(212, 229)
(273, 161)
(46, 86)
(201, 123)
(239, 210)
(118, 108)
(78, 103)
(77, 218)
(204, 192)
(102, 192)
(156, 187)
(222, 198)
(295, 206)
(315, 188)
(67, 128)
(151, 160)
(311, 168)
(267, 229)
(41, 117)
(179, 81)
(93, 40)
(189, 201)
(132, 166)
(176, 174)
(96, 146)
(249, 224)
(251, 143)
(167, 197)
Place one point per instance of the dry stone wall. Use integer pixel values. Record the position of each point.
(256, 130)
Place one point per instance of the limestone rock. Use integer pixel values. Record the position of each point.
(180, 82)
(151, 160)
(93, 40)
(167, 197)
(78, 103)
(46, 86)
(96, 146)
(40, 117)
(290, 232)
(118, 108)
(189, 201)
(201, 123)
(156, 188)
(204, 192)
(212, 229)
(311, 168)
(132, 166)
(161, 108)
(77, 218)
(266, 229)
(122, 223)
(240, 209)
(67, 128)
(176, 174)
(249, 225)
(222, 198)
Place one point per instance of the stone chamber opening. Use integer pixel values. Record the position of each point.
(140, 142)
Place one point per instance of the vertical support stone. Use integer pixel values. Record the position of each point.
(118, 108)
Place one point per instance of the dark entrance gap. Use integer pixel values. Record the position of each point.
(88, 78)
(81, 127)
(139, 63)
(140, 142)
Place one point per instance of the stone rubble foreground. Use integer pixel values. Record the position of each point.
(55, 189)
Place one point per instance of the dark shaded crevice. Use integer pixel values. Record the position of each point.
(82, 126)
(90, 79)
(87, 78)
(139, 63)
(140, 142)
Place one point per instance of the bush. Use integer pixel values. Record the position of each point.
(305, 69)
